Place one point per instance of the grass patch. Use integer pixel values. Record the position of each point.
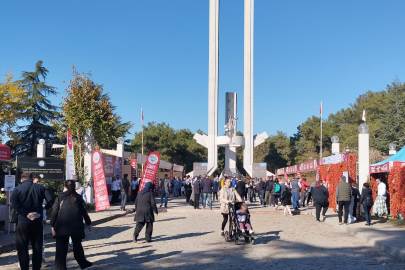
(396, 222)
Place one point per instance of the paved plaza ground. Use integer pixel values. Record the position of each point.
(185, 238)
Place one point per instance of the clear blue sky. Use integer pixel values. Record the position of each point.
(154, 54)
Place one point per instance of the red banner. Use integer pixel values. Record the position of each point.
(100, 185)
(133, 168)
(150, 169)
(5, 152)
(308, 166)
(299, 174)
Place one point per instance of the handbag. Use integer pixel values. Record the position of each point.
(14, 213)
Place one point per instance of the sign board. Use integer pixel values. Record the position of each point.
(291, 169)
(9, 182)
(280, 171)
(259, 170)
(100, 185)
(112, 167)
(346, 174)
(46, 168)
(200, 168)
(332, 159)
(308, 166)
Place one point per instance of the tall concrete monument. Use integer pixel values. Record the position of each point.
(230, 141)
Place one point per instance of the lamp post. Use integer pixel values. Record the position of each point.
(41, 148)
(392, 148)
(364, 152)
(335, 145)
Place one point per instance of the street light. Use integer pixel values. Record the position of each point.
(363, 128)
(335, 139)
(347, 149)
(120, 140)
(41, 141)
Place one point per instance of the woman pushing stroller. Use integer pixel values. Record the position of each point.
(227, 195)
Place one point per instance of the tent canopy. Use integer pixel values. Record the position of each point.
(385, 166)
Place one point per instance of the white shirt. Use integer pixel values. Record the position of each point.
(118, 184)
(382, 189)
(114, 185)
(134, 184)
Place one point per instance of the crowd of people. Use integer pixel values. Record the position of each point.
(30, 200)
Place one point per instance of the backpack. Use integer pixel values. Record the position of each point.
(277, 188)
(369, 201)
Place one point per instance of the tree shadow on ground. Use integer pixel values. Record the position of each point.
(170, 219)
(161, 238)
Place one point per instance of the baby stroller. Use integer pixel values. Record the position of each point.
(234, 232)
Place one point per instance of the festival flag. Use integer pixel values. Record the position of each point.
(142, 114)
(70, 158)
(320, 108)
(151, 168)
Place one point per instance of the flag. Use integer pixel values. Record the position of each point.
(320, 109)
(142, 114)
(364, 116)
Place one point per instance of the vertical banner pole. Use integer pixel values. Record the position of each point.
(321, 130)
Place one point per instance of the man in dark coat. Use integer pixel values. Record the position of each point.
(320, 196)
(124, 191)
(269, 188)
(206, 186)
(27, 200)
(145, 206)
(240, 187)
(197, 190)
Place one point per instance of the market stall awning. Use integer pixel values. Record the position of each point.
(5, 152)
(396, 160)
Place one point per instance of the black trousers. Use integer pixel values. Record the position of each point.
(215, 195)
(318, 207)
(224, 221)
(24, 234)
(309, 196)
(196, 201)
(62, 244)
(274, 199)
(148, 232)
(133, 195)
(188, 194)
(355, 208)
(344, 204)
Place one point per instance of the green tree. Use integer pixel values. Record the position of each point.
(86, 106)
(12, 100)
(392, 128)
(38, 113)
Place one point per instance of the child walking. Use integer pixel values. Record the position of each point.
(286, 200)
(242, 219)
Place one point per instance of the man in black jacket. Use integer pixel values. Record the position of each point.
(27, 200)
(269, 188)
(197, 190)
(320, 197)
(206, 186)
(124, 191)
(240, 187)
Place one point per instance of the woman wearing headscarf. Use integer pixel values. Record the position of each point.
(145, 205)
(67, 221)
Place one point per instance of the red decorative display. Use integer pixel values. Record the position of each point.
(150, 169)
(5, 152)
(100, 185)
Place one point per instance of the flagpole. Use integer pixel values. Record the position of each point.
(142, 138)
(321, 130)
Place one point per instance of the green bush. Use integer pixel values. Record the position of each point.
(3, 199)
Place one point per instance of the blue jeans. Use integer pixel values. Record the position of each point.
(262, 196)
(164, 194)
(205, 197)
(296, 198)
(367, 214)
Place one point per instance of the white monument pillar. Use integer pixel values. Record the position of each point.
(41, 147)
(88, 168)
(364, 152)
(248, 87)
(213, 86)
